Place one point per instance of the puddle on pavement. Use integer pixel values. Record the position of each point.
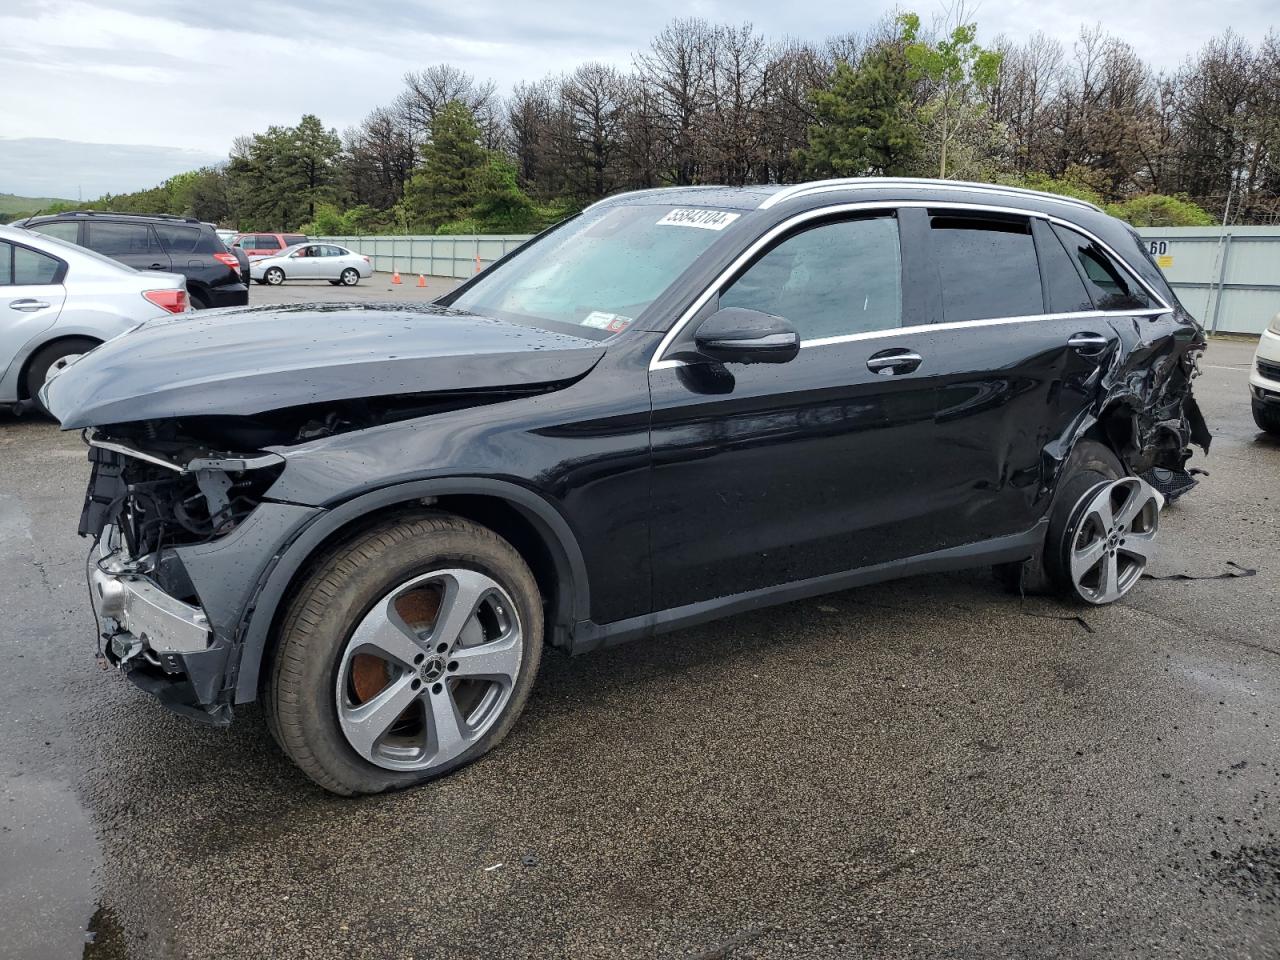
(48, 858)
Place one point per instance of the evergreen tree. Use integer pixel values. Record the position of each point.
(440, 190)
(865, 119)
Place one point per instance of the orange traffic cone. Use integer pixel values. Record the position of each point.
(477, 263)
(395, 277)
(422, 281)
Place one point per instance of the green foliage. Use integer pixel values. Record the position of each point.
(277, 178)
(955, 69)
(866, 122)
(497, 201)
(1161, 210)
(440, 190)
(1063, 186)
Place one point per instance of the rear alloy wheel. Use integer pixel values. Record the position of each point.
(350, 277)
(1112, 536)
(1267, 417)
(408, 654)
(52, 360)
(274, 276)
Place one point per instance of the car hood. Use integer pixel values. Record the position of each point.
(250, 361)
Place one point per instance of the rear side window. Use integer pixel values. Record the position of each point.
(265, 241)
(62, 229)
(122, 239)
(20, 266)
(1109, 284)
(180, 238)
(828, 281)
(987, 267)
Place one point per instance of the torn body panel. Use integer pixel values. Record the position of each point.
(1144, 408)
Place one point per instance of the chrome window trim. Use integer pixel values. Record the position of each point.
(658, 362)
(868, 183)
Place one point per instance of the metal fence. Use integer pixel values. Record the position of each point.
(434, 256)
(1228, 278)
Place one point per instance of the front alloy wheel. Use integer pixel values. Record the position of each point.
(274, 276)
(429, 670)
(1113, 538)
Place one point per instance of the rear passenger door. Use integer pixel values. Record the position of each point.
(1019, 348)
(133, 244)
(31, 297)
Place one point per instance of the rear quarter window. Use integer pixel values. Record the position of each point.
(176, 238)
(1110, 285)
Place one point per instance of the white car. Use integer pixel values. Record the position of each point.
(312, 261)
(1264, 379)
(59, 300)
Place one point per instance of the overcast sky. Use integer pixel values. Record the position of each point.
(116, 95)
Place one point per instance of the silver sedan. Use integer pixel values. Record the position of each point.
(59, 300)
(312, 261)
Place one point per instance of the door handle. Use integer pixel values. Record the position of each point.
(1087, 344)
(156, 266)
(890, 363)
(27, 304)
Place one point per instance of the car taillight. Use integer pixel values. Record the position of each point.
(228, 259)
(175, 301)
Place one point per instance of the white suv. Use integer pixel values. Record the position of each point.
(1264, 379)
(59, 300)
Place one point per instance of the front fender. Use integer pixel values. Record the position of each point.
(272, 588)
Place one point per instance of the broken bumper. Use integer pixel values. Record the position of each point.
(141, 620)
(162, 644)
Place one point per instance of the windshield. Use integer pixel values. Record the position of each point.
(600, 270)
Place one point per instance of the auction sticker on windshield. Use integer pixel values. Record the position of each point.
(704, 219)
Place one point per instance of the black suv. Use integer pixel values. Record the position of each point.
(678, 405)
(215, 276)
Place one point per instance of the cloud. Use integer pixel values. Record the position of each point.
(191, 76)
(41, 167)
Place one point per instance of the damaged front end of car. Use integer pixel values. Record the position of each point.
(144, 511)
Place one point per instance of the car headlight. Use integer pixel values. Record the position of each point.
(1274, 325)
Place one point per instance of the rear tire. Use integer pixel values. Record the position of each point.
(331, 665)
(50, 359)
(1267, 417)
(350, 277)
(1089, 464)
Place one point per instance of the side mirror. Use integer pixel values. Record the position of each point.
(738, 335)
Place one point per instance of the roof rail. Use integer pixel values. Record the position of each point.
(823, 186)
(115, 213)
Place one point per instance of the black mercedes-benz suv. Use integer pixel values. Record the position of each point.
(678, 405)
(215, 275)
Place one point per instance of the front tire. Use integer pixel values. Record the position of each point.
(274, 276)
(350, 277)
(409, 653)
(1267, 417)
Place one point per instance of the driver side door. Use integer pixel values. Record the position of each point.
(770, 473)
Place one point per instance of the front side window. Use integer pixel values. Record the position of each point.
(830, 280)
(986, 266)
(599, 270)
(62, 229)
(1111, 287)
(121, 239)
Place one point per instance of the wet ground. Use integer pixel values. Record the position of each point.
(925, 769)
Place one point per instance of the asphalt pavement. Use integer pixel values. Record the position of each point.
(929, 768)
